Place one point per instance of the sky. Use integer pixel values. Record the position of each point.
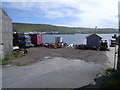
(71, 13)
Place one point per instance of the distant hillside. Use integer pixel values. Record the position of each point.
(107, 29)
(24, 27)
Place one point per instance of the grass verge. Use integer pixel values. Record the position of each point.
(9, 58)
(23, 64)
(112, 79)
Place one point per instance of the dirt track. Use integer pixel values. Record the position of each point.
(41, 53)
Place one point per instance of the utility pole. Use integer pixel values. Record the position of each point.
(95, 29)
(118, 61)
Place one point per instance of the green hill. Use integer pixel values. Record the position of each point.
(25, 27)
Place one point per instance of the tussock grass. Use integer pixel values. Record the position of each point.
(112, 79)
(9, 58)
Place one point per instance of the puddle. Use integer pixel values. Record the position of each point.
(92, 62)
(7, 65)
(78, 60)
(47, 57)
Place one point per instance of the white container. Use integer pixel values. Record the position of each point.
(58, 40)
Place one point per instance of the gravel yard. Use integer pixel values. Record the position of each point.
(55, 68)
(37, 54)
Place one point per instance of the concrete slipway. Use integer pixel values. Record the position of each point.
(51, 73)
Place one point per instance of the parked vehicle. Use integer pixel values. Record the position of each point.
(22, 41)
(113, 43)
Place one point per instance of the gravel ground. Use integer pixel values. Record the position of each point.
(112, 59)
(42, 53)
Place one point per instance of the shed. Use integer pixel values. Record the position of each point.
(93, 40)
(6, 37)
(36, 39)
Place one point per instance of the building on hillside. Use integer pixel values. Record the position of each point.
(6, 37)
(93, 40)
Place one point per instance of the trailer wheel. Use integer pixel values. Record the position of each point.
(25, 51)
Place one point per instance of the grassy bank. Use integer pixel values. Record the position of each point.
(26, 27)
(8, 58)
(112, 79)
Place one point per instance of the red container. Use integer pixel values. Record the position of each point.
(36, 39)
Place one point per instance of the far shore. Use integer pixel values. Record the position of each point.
(82, 33)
